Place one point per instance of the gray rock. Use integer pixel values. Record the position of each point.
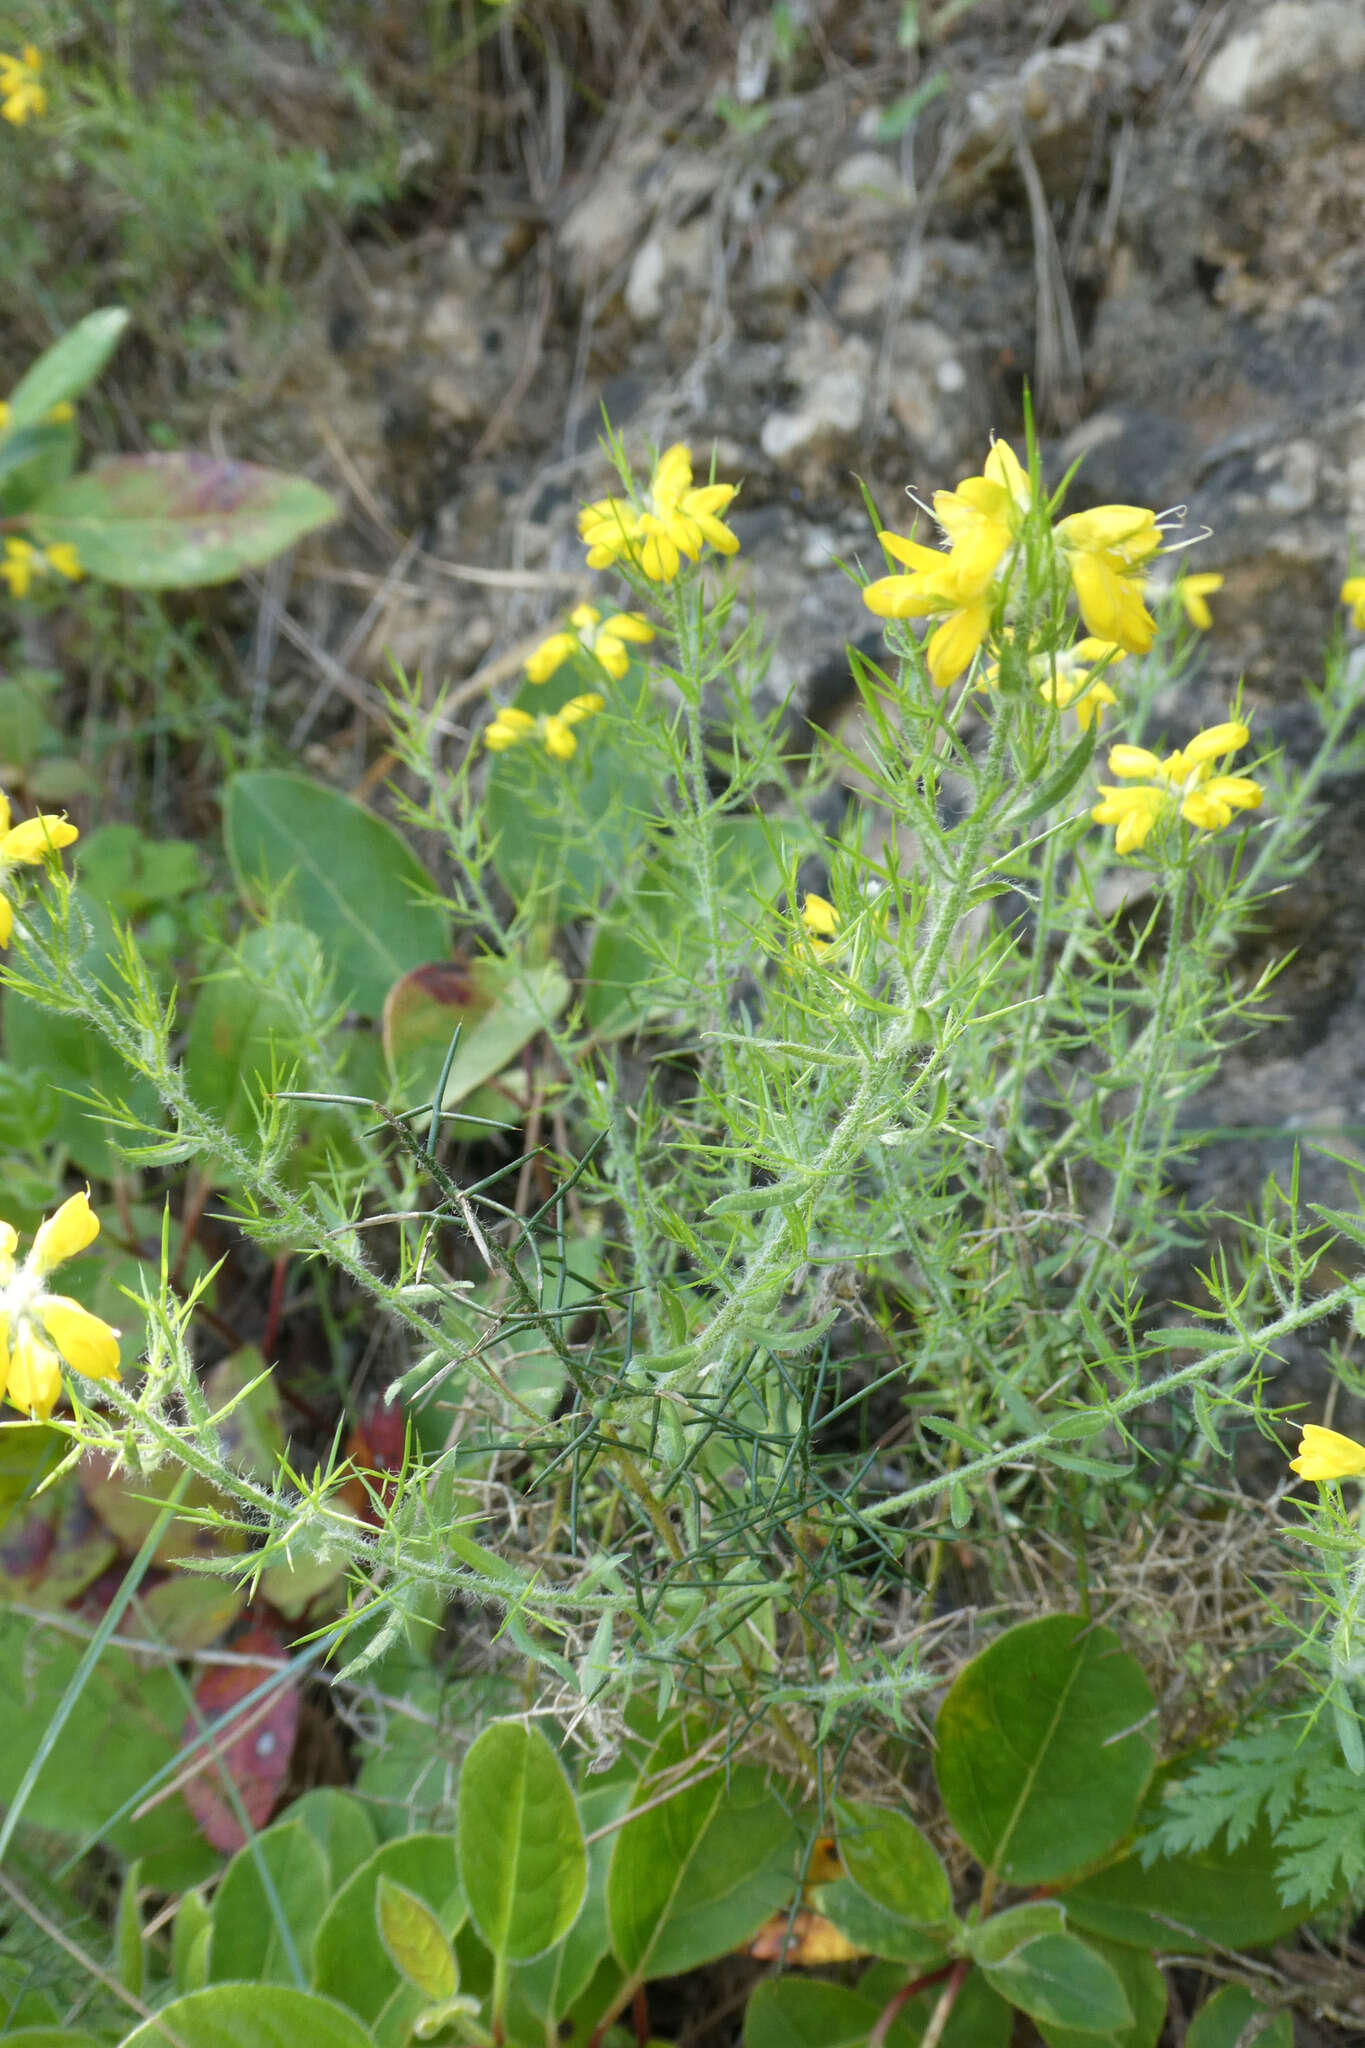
(1293, 43)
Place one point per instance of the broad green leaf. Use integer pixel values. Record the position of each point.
(548, 1987)
(695, 1876)
(499, 1006)
(63, 371)
(75, 1063)
(340, 871)
(873, 1928)
(188, 1614)
(341, 1826)
(1222, 2020)
(1216, 1896)
(1042, 1758)
(802, 2012)
(523, 1863)
(244, 1034)
(253, 1934)
(417, 1944)
(131, 874)
(1143, 1986)
(174, 522)
(250, 2016)
(1057, 1980)
(124, 1727)
(998, 1937)
(887, 1857)
(350, 1960)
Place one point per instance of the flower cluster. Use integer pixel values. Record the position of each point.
(1326, 1454)
(554, 729)
(605, 639)
(1105, 554)
(1353, 594)
(38, 1330)
(23, 562)
(677, 519)
(26, 846)
(1183, 783)
(21, 93)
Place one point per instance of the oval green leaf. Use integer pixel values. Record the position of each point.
(1058, 1981)
(250, 2016)
(340, 871)
(694, 1877)
(523, 1862)
(260, 1937)
(888, 1858)
(417, 1944)
(1222, 2020)
(63, 371)
(1041, 1760)
(176, 522)
(350, 1960)
(1143, 1986)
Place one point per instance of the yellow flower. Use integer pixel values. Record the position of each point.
(676, 519)
(1106, 550)
(1353, 594)
(553, 729)
(22, 562)
(1193, 592)
(20, 92)
(38, 1330)
(26, 846)
(603, 638)
(1324, 1454)
(953, 587)
(987, 510)
(1067, 678)
(819, 917)
(1182, 782)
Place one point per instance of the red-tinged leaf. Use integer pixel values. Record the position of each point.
(81, 1549)
(375, 1448)
(25, 1547)
(253, 1746)
(172, 522)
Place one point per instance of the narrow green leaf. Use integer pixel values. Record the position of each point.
(63, 371)
(1061, 783)
(129, 1955)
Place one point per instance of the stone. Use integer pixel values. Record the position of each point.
(1294, 43)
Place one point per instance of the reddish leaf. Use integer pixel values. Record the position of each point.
(375, 1448)
(253, 1746)
(169, 522)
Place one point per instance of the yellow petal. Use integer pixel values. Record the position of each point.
(912, 553)
(1003, 466)
(1216, 740)
(951, 648)
(902, 597)
(34, 1379)
(559, 739)
(1326, 1454)
(29, 843)
(85, 1342)
(6, 920)
(1133, 761)
(9, 1238)
(550, 656)
(4, 814)
(628, 626)
(819, 916)
(70, 1230)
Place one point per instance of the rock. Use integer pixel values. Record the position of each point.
(869, 175)
(832, 374)
(1051, 93)
(1294, 43)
